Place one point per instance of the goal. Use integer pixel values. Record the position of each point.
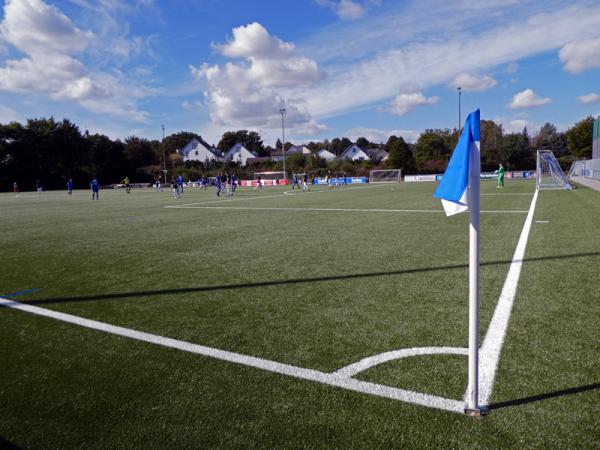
(549, 173)
(385, 176)
(269, 175)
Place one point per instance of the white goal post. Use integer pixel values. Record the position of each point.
(549, 175)
(385, 176)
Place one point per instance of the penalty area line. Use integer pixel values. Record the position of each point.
(331, 379)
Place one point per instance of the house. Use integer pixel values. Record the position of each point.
(239, 153)
(199, 150)
(277, 155)
(353, 153)
(377, 154)
(326, 155)
(306, 150)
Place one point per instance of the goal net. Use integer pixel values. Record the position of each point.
(269, 175)
(385, 176)
(549, 173)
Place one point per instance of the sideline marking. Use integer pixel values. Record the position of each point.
(249, 208)
(332, 379)
(18, 293)
(489, 352)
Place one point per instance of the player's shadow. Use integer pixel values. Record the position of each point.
(546, 396)
(269, 283)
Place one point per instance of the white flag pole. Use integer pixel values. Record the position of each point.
(472, 406)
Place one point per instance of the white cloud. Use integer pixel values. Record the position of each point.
(377, 135)
(528, 99)
(250, 93)
(514, 125)
(254, 41)
(419, 52)
(405, 103)
(580, 55)
(347, 9)
(473, 82)
(588, 99)
(34, 27)
(186, 104)
(50, 42)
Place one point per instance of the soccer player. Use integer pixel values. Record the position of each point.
(500, 177)
(95, 189)
(218, 184)
(70, 186)
(175, 187)
(295, 182)
(127, 185)
(180, 183)
(258, 183)
(305, 183)
(15, 188)
(233, 183)
(38, 186)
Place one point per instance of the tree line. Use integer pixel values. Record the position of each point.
(54, 151)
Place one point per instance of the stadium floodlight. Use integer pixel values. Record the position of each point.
(282, 112)
(548, 171)
(385, 176)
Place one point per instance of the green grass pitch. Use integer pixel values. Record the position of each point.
(317, 280)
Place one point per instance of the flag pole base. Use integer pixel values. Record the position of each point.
(473, 412)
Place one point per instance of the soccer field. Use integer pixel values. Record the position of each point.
(239, 322)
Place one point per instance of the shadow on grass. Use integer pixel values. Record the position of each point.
(259, 284)
(6, 445)
(547, 396)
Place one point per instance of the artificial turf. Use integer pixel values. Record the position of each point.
(304, 286)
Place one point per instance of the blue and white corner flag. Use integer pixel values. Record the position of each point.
(464, 162)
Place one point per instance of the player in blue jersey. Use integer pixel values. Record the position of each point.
(95, 189)
(180, 183)
(70, 186)
(218, 185)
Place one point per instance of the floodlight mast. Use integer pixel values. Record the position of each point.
(282, 112)
(459, 89)
(162, 144)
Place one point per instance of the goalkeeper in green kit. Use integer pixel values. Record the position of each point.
(500, 172)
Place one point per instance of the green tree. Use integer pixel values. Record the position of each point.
(249, 139)
(432, 150)
(579, 138)
(362, 142)
(400, 156)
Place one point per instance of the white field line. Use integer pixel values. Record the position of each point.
(513, 193)
(489, 353)
(372, 361)
(331, 379)
(244, 208)
(258, 197)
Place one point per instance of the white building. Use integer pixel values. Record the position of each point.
(353, 153)
(326, 155)
(199, 150)
(238, 153)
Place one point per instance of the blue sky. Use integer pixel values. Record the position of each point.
(340, 67)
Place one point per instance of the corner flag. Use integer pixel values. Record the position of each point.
(459, 191)
(464, 162)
